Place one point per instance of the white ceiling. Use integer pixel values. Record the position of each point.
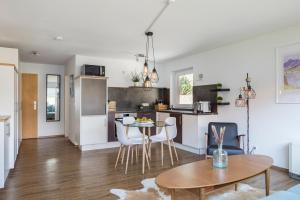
(114, 28)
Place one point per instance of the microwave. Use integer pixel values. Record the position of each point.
(93, 70)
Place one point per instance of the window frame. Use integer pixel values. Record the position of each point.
(176, 97)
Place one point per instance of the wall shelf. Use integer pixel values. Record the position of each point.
(220, 90)
(223, 103)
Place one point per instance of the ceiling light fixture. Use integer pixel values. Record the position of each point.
(35, 53)
(152, 77)
(59, 38)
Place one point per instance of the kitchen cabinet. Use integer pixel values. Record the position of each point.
(111, 131)
(190, 131)
(178, 116)
(4, 149)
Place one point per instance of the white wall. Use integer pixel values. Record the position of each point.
(46, 128)
(272, 126)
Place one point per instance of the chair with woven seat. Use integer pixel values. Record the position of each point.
(232, 140)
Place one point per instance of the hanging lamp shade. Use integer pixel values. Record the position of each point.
(249, 92)
(146, 69)
(240, 101)
(154, 76)
(147, 82)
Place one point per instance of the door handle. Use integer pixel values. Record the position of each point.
(34, 105)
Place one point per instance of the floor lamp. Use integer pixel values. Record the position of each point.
(246, 93)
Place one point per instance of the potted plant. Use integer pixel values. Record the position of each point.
(135, 78)
(219, 99)
(219, 85)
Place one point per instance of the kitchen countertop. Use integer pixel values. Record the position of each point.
(4, 118)
(186, 112)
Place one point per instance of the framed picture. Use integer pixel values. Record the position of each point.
(288, 73)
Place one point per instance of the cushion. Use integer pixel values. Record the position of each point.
(231, 150)
(282, 195)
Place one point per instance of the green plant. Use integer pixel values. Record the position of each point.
(219, 98)
(135, 77)
(185, 86)
(219, 85)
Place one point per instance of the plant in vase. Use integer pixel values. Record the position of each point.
(219, 85)
(135, 78)
(219, 99)
(220, 157)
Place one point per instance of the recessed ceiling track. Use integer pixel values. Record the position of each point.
(159, 14)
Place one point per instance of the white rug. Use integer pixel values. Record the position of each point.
(152, 192)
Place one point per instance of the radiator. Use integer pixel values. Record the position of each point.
(294, 160)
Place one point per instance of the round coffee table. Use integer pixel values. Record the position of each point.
(202, 175)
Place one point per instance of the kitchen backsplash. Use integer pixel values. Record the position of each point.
(130, 98)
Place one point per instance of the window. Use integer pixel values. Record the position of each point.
(184, 87)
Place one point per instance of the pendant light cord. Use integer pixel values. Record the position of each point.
(153, 52)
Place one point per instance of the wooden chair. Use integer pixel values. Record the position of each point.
(232, 140)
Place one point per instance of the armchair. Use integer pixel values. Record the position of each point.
(232, 140)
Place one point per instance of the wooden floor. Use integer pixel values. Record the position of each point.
(53, 168)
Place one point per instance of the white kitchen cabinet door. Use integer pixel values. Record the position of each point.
(93, 129)
(190, 132)
(161, 116)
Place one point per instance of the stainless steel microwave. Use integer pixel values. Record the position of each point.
(93, 70)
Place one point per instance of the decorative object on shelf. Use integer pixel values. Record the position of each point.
(135, 78)
(220, 157)
(246, 93)
(219, 85)
(149, 77)
(219, 99)
(288, 73)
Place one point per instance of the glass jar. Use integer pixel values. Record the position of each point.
(220, 158)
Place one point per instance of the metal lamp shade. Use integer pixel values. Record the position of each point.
(240, 101)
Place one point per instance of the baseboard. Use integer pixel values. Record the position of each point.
(189, 149)
(280, 169)
(99, 146)
(50, 136)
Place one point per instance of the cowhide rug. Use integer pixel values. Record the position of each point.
(151, 191)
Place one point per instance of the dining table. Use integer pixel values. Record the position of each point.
(146, 131)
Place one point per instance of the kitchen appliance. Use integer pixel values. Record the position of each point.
(205, 106)
(93, 70)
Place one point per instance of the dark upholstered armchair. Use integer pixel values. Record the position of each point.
(232, 140)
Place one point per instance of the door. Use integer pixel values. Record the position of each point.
(178, 117)
(29, 105)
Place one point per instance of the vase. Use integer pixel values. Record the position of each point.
(220, 158)
(135, 84)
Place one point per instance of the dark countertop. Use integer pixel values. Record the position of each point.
(185, 112)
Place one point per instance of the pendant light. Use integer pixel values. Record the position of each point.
(154, 75)
(146, 69)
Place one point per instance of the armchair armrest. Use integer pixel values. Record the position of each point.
(239, 138)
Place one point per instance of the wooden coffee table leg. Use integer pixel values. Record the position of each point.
(236, 186)
(267, 181)
(172, 194)
(201, 194)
